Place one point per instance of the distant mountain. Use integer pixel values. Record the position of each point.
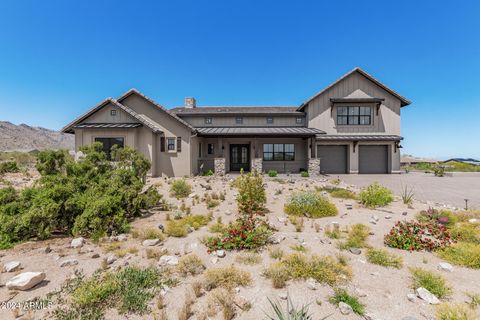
(465, 160)
(26, 138)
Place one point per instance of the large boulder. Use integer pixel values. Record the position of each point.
(168, 260)
(427, 296)
(77, 242)
(25, 280)
(69, 263)
(150, 242)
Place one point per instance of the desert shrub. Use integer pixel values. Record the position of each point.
(211, 203)
(248, 258)
(299, 248)
(341, 295)
(21, 158)
(463, 254)
(324, 269)
(384, 258)
(244, 234)
(407, 195)
(291, 312)
(251, 198)
(333, 233)
(148, 233)
(356, 238)
(278, 274)
(443, 217)
(9, 167)
(416, 236)
(180, 188)
(311, 204)
(207, 173)
(181, 227)
(91, 197)
(464, 231)
(454, 312)
(220, 299)
(337, 192)
(431, 281)
(7, 195)
(376, 195)
(439, 170)
(474, 299)
(276, 253)
(304, 174)
(128, 290)
(155, 253)
(272, 173)
(190, 265)
(227, 277)
(217, 228)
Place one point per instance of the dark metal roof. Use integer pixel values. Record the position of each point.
(276, 110)
(359, 137)
(272, 131)
(107, 125)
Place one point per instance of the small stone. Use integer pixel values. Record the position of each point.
(376, 218)
(77, 242)
(444, 266)
(150, 242)
(111, 259)
(345, 309)
(220, 253)
(122, 237)
(372, 221)
(427, 296)
(283, 295)
(11, 266)
(237, 289)
(25, 280)
(359, 292)
(214, 260)
(48, 249)
(95, 256)
(68, 263)
(161, 227)
(168, 260)
(228, 212)
(311, 284)
(325, 241)
(370, 316)
(409, 318)
(355, 251)
(336, 225)
(404, 213)
(388, 217)
(281, 219)
(241, 302)
(473, 220)
(411, 297)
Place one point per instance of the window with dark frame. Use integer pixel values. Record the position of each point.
(113, 112)
(171, 144)
(238, 120)
(208, 120)
(299, 120)
(210, 148)
(354, 115)
(108, 143)
(269, 120)
(279, 152)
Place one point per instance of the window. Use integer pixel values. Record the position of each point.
(270, 120)
(210, 148)
(171, 144)
(208, 120)
(113, 112)
(108, 143)
(299, 120)
(354, 115)
(279, 152)
(239, 120)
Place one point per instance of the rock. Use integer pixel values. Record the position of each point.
(168, 260)
(220, 253)
(276, 239)
(372, 221)
(215, 260)
(77, 242)
(325, 241)
(359, 292)
(388, 217)
(11, 266)
(427, 296)
(122, 237)
(68, 263)
(473, 220)
(409, 318)
(25, 280)
(335, 225)
(444, 266)
(370, 316)
(376, 218)
(150, 242)
(161, 227)
(111, 259)
(311, 284)
(411, 297)
(47, 249)
(281, 219)
(228, 212)
(355, 251)
(404, 213)
(95, 256)
(283, 295)
(242, 302)
(345, 308)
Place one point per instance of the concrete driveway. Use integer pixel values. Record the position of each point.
(451, 189)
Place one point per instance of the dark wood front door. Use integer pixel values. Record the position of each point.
(239, 157)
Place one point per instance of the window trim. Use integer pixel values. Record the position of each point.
(269, 120)
(283, 152)
(238, 120)
(173, 149)
(208, 148)
(299, 120)
(113, 112)
(357, 116)
(208, 120)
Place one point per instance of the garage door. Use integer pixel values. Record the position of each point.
(333, 159)
(373, 159)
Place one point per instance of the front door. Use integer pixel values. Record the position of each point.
(239, 157)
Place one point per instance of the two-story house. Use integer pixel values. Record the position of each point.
(352, 126)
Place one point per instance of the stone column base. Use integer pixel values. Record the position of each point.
(314, 167)
(257, 165)
(219, 166)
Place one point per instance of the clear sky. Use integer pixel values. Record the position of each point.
(59, 58)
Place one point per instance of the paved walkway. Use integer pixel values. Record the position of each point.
(451, 189)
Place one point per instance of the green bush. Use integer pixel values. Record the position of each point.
(9, 167)
(272, 173)
(463, 254)
(181, 227)
(376, 195)
(337, 192)
(207, 173)
(356, 238)
(180, 189)
(311, 204)
(341, 295)
(304, 174)
(384, 258)
(431, 281)
(90, 197)
(251, 198)
(454, 312)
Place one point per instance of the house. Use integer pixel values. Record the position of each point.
(351, 126)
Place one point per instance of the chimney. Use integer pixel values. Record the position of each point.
(190, 102)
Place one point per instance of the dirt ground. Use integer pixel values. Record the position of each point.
(385, 289)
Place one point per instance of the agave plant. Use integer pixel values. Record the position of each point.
(291, 312)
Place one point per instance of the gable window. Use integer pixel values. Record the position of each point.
(279, 152)
(299, 120)
(349, 115)
(113, 112)
(171, 144)
(208, 120)
(269, 120)
(239, 120)
(108, 143)
(210, 148)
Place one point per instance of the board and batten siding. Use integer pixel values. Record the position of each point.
(248, 121)
(355, 86)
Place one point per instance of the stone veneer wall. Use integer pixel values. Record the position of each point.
(257, 165)
(219, 166)
(314, 166)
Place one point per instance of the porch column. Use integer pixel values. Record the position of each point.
(257, 161)
(219, 161)
(313, 161)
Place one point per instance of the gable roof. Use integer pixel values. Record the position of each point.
(277, 110)
(404, 101)
(143, 119)
(135, 91)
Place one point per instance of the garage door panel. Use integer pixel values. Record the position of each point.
(373, 159)
(333, 158)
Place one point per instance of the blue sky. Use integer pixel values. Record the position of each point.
(58, 58)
